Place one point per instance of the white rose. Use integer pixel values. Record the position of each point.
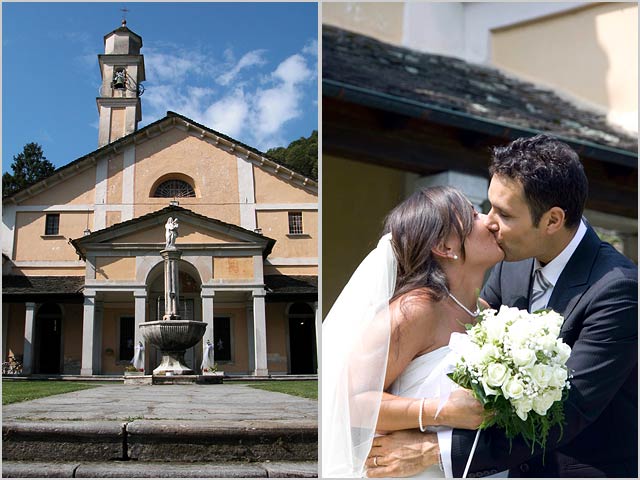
(472, 354)
(541, 374)
(495, 374)
(523, 357)
(547, 342)
(513, 388)
(556, 394)
(563, 350)
(495, 328)
(520, 332)
(542, 403)
(558, 376)
(522, 406)
(489, 353)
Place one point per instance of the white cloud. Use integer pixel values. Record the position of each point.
(293, 70)
(255, 57)
(311, 48)
(229, 114)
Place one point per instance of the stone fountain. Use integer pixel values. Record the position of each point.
(172, 335)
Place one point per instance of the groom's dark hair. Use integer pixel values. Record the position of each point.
(550, 173)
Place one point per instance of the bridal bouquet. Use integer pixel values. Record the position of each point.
(515, 364)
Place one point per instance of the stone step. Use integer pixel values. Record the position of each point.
(161, 441)
(132, 469)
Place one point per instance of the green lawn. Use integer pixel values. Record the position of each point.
(299, 388)
(21, 391)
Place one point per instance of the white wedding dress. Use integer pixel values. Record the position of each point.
(424, 377)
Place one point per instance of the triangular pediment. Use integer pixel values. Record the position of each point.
(195, 231)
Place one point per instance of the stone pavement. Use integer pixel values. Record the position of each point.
(130, 430)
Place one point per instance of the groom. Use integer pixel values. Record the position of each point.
(553, 259)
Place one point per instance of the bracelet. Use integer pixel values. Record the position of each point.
(422, 428)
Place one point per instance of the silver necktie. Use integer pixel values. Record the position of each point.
(540, 287)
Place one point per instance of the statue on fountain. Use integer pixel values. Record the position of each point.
(171, 233)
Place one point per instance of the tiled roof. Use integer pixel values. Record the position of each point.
(49, 285)
(294, 284)
(454, 85)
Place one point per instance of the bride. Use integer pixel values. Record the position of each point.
(385, 339)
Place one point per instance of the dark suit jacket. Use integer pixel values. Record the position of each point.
(597, 293)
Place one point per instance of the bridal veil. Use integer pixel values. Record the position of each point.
(355, 345)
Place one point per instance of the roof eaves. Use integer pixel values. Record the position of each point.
(413, 108)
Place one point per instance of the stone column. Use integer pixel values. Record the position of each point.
(88, 333)
(29, 325)
(140, 302)
(97, 337)
(171, 285)
(251, 337)
(207, 317)
(260, 333)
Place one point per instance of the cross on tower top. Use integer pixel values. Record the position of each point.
(124, 11)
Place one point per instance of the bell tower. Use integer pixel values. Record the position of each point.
(122, 69)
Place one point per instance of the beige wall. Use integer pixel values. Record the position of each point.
(231, 268)
(44, 271)
(215, 173)
(114, 179)
(273, 189)
(240, 352)
(291, 270)
(115, 268)
(590, 53)
(113, 218)
(381, 20)
(78, 189)
(276, 338)
(117, 123)
(31, 244)
(188, 234)
(275, 224)
(15, 329)
(72, 338)
(110, 338)
(356, 198)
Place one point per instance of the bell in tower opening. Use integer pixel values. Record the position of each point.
(119, 79)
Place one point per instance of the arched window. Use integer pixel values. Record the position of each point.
(174, 188)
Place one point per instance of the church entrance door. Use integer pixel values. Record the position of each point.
(48, 338)
(302, 339)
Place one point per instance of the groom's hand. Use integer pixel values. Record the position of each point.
(402, 454)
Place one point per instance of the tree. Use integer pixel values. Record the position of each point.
(28, 167)
(301, 155)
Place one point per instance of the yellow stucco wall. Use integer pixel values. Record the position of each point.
(240, 352)
(31, 244)
(597, 45)
(113, 218)
(233, 268)
(115, 268)
(78, 189)
(270, 188)
(117, 123)
(381, 20)
(40, 271)
(356, 199)
(114, 179)
(15, 330)
(187, 234)
(276, 338)
(110, 339)
(291, 270)
(214, 171)
(72, 338)
(275, 224)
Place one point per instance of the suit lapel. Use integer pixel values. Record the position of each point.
(573, 280)
(517, 284)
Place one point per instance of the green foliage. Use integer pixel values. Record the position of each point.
(21, 391)
(28, 167)
(301, 155)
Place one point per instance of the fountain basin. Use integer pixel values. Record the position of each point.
(173, 337)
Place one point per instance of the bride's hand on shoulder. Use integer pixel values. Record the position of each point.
(462, 410)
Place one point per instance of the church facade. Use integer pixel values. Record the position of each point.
(81, 249)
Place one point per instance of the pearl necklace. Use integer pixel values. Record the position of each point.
(473, 314)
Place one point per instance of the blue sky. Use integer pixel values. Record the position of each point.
(248, 70)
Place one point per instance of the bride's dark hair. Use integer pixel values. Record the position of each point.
(418, 225)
